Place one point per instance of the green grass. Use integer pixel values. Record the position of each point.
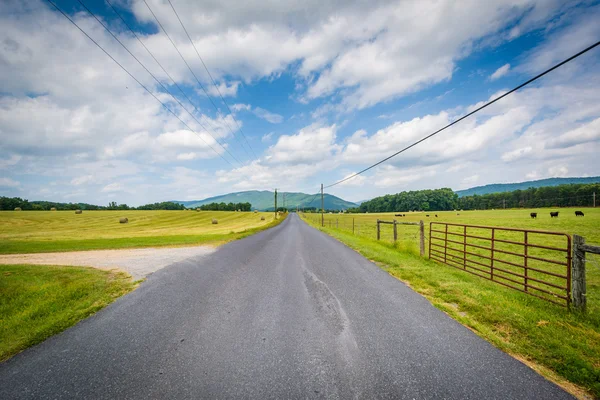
(564, 346)
(47, 231)
(37, 301)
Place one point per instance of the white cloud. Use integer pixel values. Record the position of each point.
(7, 182)
(224, 89)
(9, 162)
(469, 180)
(261, 113)
(267, 115)
(113, 187)
(267, 137)
(500, 72)
(516, 154)
(311, 144)
(358, 180)
(187, 156)
(80, 180)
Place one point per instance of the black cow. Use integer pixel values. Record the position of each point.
(579, 213)
(427, 215)
(397, 215)
(436, 215)
(553, 214)
(533, 215)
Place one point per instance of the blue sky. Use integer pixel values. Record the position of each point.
(320, 90)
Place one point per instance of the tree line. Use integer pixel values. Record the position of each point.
(226, 206)
(10, 203)
(416, 200)
(570, 195)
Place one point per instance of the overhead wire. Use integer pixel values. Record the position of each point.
(192, 72)
(135, 79)
(155, 78)
(211, 78)
(470, 113)
(161, 67)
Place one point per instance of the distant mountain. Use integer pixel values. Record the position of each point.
(263, 200)
(361, 201)
(509, 187)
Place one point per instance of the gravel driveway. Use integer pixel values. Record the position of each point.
(139, 263)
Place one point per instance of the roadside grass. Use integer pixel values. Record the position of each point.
(38, 301)
(46, 231)
(561, 345)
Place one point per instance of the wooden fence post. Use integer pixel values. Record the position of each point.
(378, 234)
(422, 238)
(578, 286)
(353, 225)
(395, 232)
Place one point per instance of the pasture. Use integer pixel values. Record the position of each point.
(48, 231)
(562, 345)
(587, 226)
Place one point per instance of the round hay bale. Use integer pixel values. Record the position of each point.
(262, 218)
(123, 220)
(197, 209)
(18, 209)
(255, 211)
(214, 222)
(53, 209)
(78, 211)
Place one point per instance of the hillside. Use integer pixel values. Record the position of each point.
(263, 200)
(509, 187)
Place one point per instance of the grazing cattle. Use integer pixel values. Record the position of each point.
(397, 215)
(427, 215)
(533, 215)
(404, 215)
(578, 213)
(457, 213)
(553, 214)
(436, 215)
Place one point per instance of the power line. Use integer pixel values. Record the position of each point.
(471, 113)
(135, 79)
(163, 69)
(154, 77)
(190, 69)
(212, 79)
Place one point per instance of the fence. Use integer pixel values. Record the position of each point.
(508, 256)
(411, 240)
(544, 264)
(579, 259)
(396, 223)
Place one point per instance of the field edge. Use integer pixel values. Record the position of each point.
(453, 310)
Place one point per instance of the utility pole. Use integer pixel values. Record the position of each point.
(275, 203)
(322, 205)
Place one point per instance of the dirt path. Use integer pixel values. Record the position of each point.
(137, 262)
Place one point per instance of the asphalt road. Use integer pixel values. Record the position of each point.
(286, 313)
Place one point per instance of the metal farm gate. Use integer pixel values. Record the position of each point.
(530, 261)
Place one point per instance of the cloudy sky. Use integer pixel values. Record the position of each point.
(313, 91)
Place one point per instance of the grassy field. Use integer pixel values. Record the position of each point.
(567, 222)
(562, 345)
(47, 231)
(37, 301)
